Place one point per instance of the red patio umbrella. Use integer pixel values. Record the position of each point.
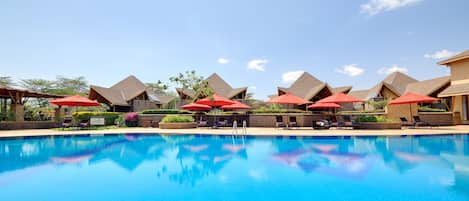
(410, 98)
(215, 101)
(76, 100)
(288, 99)
(340, 98)
(196, 107)
(324, 105)
(236, 106)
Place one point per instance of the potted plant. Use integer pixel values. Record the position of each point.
(131, 119)
(177, 122)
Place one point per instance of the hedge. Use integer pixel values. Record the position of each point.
(109, 117)
(368, 118)
(271, 111)
(166, 111)
(177, 119)
(428, 109)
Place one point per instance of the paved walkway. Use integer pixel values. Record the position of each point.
(306, 131)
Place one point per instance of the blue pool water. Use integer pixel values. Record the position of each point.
(225, 168)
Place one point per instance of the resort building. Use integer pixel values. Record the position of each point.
(310, 88)
(458, 91)
(127, 95)
(393, 86)
(219, 87)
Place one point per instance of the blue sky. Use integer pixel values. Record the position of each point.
(261, 44)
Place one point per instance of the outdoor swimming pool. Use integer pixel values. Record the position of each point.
(225, 168)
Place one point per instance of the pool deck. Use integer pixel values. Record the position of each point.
(303, 131)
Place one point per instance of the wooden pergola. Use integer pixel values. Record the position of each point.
(17, 97)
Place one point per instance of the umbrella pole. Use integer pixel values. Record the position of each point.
(410, 108)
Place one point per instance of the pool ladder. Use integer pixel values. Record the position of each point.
(235, 128)
(235, 132)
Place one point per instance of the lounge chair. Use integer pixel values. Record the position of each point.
(67, 123)
(279, 122)
(420, 123)
(406, 123)
(202, 123)
(84, 124)
(292, 122)
(321, 124)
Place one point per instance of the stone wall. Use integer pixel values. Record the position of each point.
(27, 125)
(269, 120)
(437, 118)
(394, 112)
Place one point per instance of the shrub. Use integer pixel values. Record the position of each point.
(429, 109)
(177, 119)
(131, 119)
(368, 118)
(275, 109)
(109, 117)
(166, 111)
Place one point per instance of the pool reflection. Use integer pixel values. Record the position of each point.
(188, 159)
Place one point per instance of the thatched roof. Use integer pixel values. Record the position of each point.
(344, 89)
(458, 57)
(429, 87)
(396, 82)
(307, 87)
(122, 92)
(455, 90)
(219, 87)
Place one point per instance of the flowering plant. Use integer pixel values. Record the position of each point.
(131, 116)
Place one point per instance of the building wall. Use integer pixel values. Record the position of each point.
(460, 70)
(459, 74)
(458, 110)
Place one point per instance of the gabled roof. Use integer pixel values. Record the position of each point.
(307, 86)
(396, 82)
(218, 85)
(344, 89)
(460, 56)
(428, 87)
(399, 81)
(360, 94)
(124, 91)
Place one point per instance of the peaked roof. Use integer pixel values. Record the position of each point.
(344, 89)
(307, 86)
(397, 82)
(460, 56)
(428, 87)
(218, 85)
(124, 91)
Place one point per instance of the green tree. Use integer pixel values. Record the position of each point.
(190, 80)
(38, 85)
(70, 86)
(6, 81)
(157, 88)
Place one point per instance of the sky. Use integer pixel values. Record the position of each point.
(261, 44)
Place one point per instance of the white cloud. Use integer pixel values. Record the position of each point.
(222, 60)
(290, 77)
(374, 7)
(252, 88)
(257, 64)
(392, 69)
(351, 70)
(442, 54)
